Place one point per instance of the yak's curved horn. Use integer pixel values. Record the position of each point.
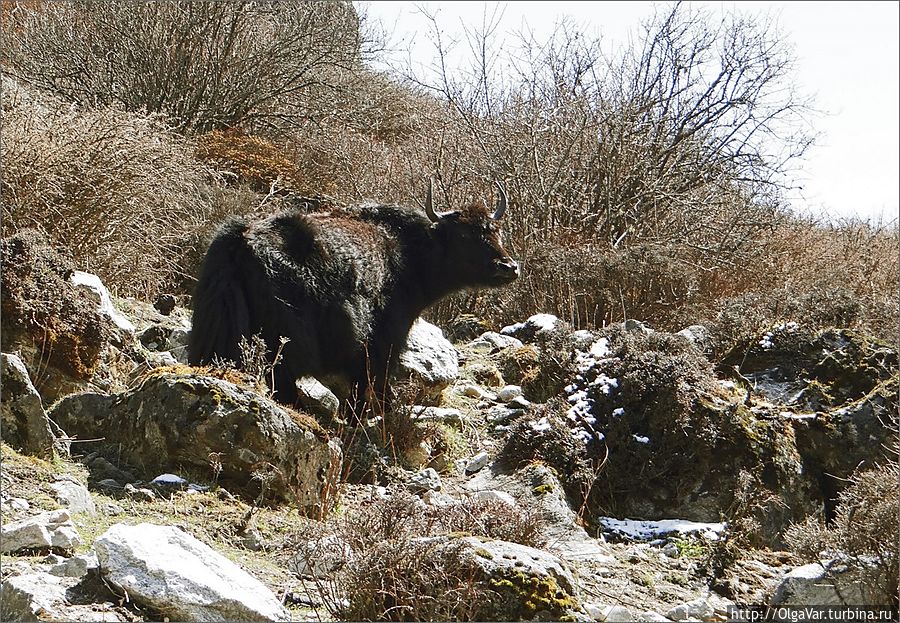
(501, 203)
(429, 206)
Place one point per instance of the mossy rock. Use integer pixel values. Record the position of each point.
(55, 326)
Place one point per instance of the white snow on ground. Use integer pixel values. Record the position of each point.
(649, 530)
(580, 411)
(640, 439)
(543, 322)
(91, 281)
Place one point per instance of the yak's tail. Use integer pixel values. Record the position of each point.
(221, 299)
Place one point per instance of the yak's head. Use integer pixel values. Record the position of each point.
(471, 239)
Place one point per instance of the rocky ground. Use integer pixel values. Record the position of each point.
(532, 472)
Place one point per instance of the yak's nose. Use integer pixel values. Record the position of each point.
(507, 268)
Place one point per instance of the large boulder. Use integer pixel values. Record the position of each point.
(677, 443)
(172, 572)
(176, 419)
(23, 423)
(60, 328)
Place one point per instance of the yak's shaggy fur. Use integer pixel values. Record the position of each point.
(343, 286)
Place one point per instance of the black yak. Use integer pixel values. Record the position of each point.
(344, 286)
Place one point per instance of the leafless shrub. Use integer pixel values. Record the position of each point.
(118, 190)
(205, 65)
(865, 532)
(404, 568)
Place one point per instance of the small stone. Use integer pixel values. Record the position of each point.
(426, 480)
(112, 509)
(109, 483)
(508, 393)
(18, 504)
(253, 540)
(477, 462)
(695, 610)
(74, 496)
(76, 566)
(670, 550)
(652, 617)
(139, 493)
(438, 500)
(609, 614)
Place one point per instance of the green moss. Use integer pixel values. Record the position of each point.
(529, 595)
(480, 551)
(542, 489)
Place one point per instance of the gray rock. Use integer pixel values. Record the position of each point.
(46, 597)
(651, 617)
(172, 572)
(475, 391)
(53, 529)
(182, 419)
(429, 358)
(316, 399)
(492, 495)
(477, 462)
(521, 566)
(23, 422)
(509, 393)
(426, 480)
(111, 508)
(437, 414)
(609, 613)
(77, 566)
(139, 493)
(699, 609)
(698, 335)
(489, 341)
(74, 496)
(828, 584)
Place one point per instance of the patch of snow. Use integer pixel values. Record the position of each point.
(542, 425)
(600, 348)
(106, 307)
(648, 530)
(641, 439)
(543, 323)
(618, 412)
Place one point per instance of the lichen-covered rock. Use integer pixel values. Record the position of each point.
(170, 571)
(650, 404)
(177, 419)
(815, 371)
(23, 422)
(530, 583)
